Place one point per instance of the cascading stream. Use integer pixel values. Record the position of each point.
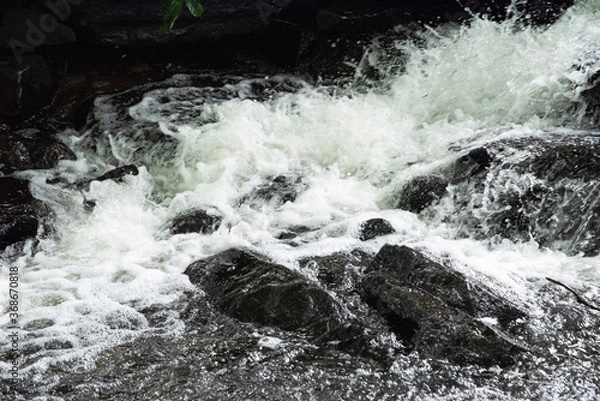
(111, 274)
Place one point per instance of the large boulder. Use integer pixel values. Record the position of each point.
(543, 187)
(252, 289)
(436, 311)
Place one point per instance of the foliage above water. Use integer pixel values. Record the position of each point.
(174, 8)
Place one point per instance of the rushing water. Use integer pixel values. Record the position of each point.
(112, 274)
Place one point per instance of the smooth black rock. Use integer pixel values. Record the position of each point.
(421, 192)
(195, 221)
(431, 327)
(251, 289)
(20, 212)
(374, 228)
(435, 311)
(413, 268)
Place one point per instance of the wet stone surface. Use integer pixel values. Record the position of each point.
(196, 221)
(540, 187)
(251, 289)
(374, 228)
(20, 213)
(31, 148)
(433, 310)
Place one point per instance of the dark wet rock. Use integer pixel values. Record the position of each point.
(74, 98)
(421, 192)
(476, 161)
(31, 149)
(340, 270)
(26, 87)
(591, 98)
(20, 213)
(47, 154)
(541, 187)
(429, 326)
(435, 311)
(417, 270)
(251, 289)
(134, 23)
(292, 232)
(118, 173)
(279, 190)
(196, 221)
(374, 228)
(13, 154)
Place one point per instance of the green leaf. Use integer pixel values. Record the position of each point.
(195, 7)
(171, 15)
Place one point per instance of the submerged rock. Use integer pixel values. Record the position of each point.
(196, 221)
(436, 311)
(276, 192)
(422, 192)
(118, 173)
(251, 289)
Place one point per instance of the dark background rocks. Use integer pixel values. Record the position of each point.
(105, 46)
